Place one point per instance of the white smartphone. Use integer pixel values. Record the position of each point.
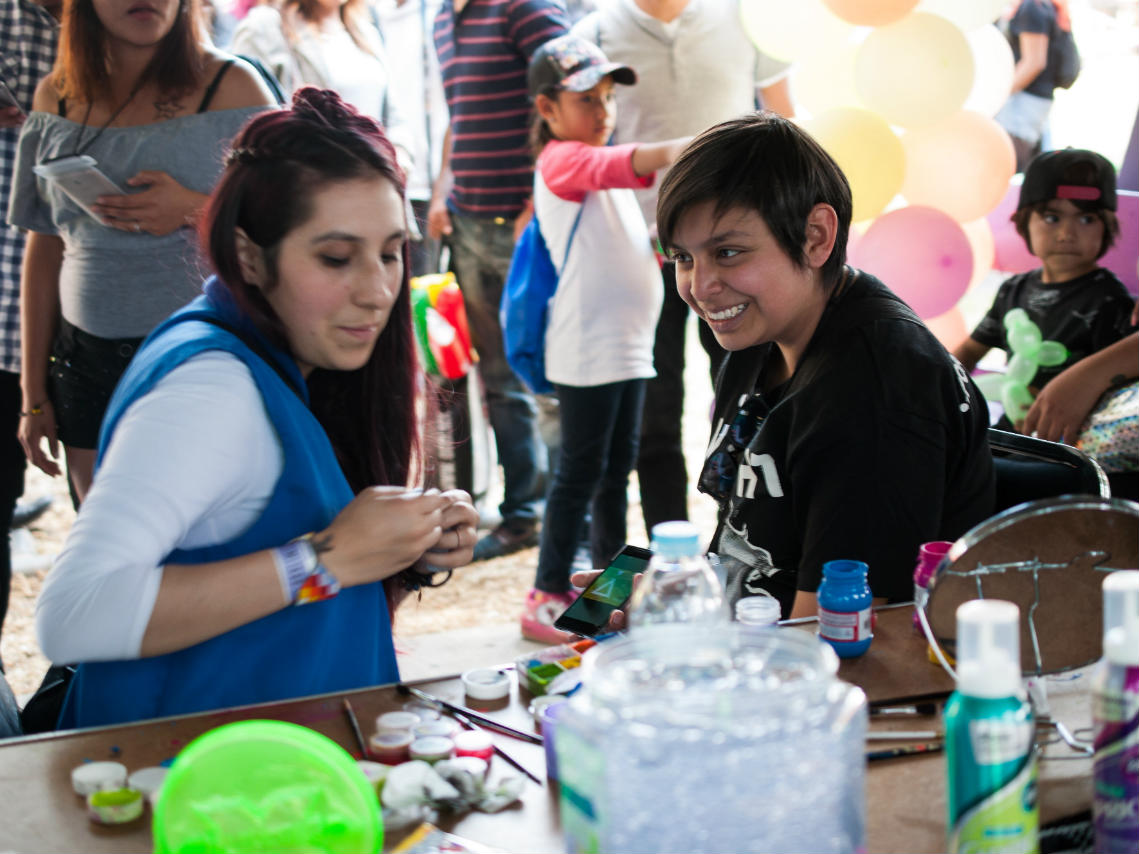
(80, 178)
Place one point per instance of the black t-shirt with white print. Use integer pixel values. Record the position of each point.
(1084, 314)
(876, 445)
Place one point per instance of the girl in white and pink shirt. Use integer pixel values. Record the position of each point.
(602, 318)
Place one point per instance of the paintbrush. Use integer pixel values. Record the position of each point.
(489, 723)
(915, 709)
(907, 750)
(355, 725)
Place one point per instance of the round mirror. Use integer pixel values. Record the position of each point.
(1050, 558)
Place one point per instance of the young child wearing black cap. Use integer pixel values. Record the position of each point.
(601, 321)
(1066, 215)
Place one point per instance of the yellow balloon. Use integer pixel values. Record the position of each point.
(869, 153)
(980, 236)
(871, 13)
(791, 31)
(961, 165)
(915, 71)
(992, 70)
(825, 82)
(966, 14)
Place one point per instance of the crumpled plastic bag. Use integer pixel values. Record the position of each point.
(416, 791)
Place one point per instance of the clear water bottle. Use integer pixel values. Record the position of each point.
(679, 586)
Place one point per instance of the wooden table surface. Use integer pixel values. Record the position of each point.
(905, 797)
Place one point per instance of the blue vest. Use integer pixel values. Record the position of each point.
(336, 645)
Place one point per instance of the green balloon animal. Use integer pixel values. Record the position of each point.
(1029, 352)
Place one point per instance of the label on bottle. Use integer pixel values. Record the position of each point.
(1115, 804)
(845, 625)
(1003, 822)
(995, 741)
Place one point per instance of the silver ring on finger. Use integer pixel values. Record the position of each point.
(137, 227)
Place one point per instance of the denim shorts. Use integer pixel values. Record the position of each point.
(82, 374)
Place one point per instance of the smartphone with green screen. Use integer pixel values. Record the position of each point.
(609, 591)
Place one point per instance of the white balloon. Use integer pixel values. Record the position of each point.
(992, 70)
(792, 31)
(825, 82)
(966, 14)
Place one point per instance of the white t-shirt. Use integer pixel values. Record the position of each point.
(191, 464)
(603, 316)
(694, 72)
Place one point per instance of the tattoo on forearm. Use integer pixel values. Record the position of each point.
(321, 543)
(167, 108)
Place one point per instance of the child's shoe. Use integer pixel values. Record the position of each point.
(538, 617)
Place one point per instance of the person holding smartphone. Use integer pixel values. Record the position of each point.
(256, 516)
(138, 88)
(842, 428)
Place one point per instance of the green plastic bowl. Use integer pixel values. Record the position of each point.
(256, 786)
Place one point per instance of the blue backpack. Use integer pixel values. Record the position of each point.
(525, 307)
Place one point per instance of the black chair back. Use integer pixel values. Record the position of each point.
(1028, 468)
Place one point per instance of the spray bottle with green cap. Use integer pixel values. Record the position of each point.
(989, 737)
(1115, 713)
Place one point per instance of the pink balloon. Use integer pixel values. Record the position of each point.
(1012, 256)
(921, 254)
(1123, 256)
(949, 328)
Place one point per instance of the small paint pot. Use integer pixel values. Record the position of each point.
(390, 747)
(485, 683)
(94, 776)
(115, 806)
(148, 781)
(441, 728)
(432, 749)
(397, 722)
(549, 716)
(424, 711)
(474, 742)
(539, 703)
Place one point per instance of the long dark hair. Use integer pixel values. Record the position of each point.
(81, 70)
(373, 415)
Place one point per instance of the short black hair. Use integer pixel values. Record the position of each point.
(766, 163)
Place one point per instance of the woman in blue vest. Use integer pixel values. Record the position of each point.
(252, 521)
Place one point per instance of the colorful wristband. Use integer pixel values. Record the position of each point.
(303, 578)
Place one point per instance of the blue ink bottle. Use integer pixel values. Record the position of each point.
(844, 607)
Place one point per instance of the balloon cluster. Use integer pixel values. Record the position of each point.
(441, 330)
(901, 93)
(1029, 352)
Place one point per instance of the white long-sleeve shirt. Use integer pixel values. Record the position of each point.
(193, 463)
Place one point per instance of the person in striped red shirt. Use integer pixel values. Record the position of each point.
(479, 204)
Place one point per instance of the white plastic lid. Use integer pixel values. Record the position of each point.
(94, 776)
(1121, 617)
(988, 648)
(676, 539)
(758, 611)
(397, 722)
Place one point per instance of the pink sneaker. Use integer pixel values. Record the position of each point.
(538, 617)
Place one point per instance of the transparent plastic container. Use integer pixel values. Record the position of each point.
(713, 738)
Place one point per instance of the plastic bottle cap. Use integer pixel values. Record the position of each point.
(431, 749)
(93, 776)
(1121, 618)
(676, 539)
(988, 648)
(114, 806)
(397, 722)
(758, 611)
(148, 781)
(440, 728)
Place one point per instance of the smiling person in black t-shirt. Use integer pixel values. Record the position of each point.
(843, 429)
